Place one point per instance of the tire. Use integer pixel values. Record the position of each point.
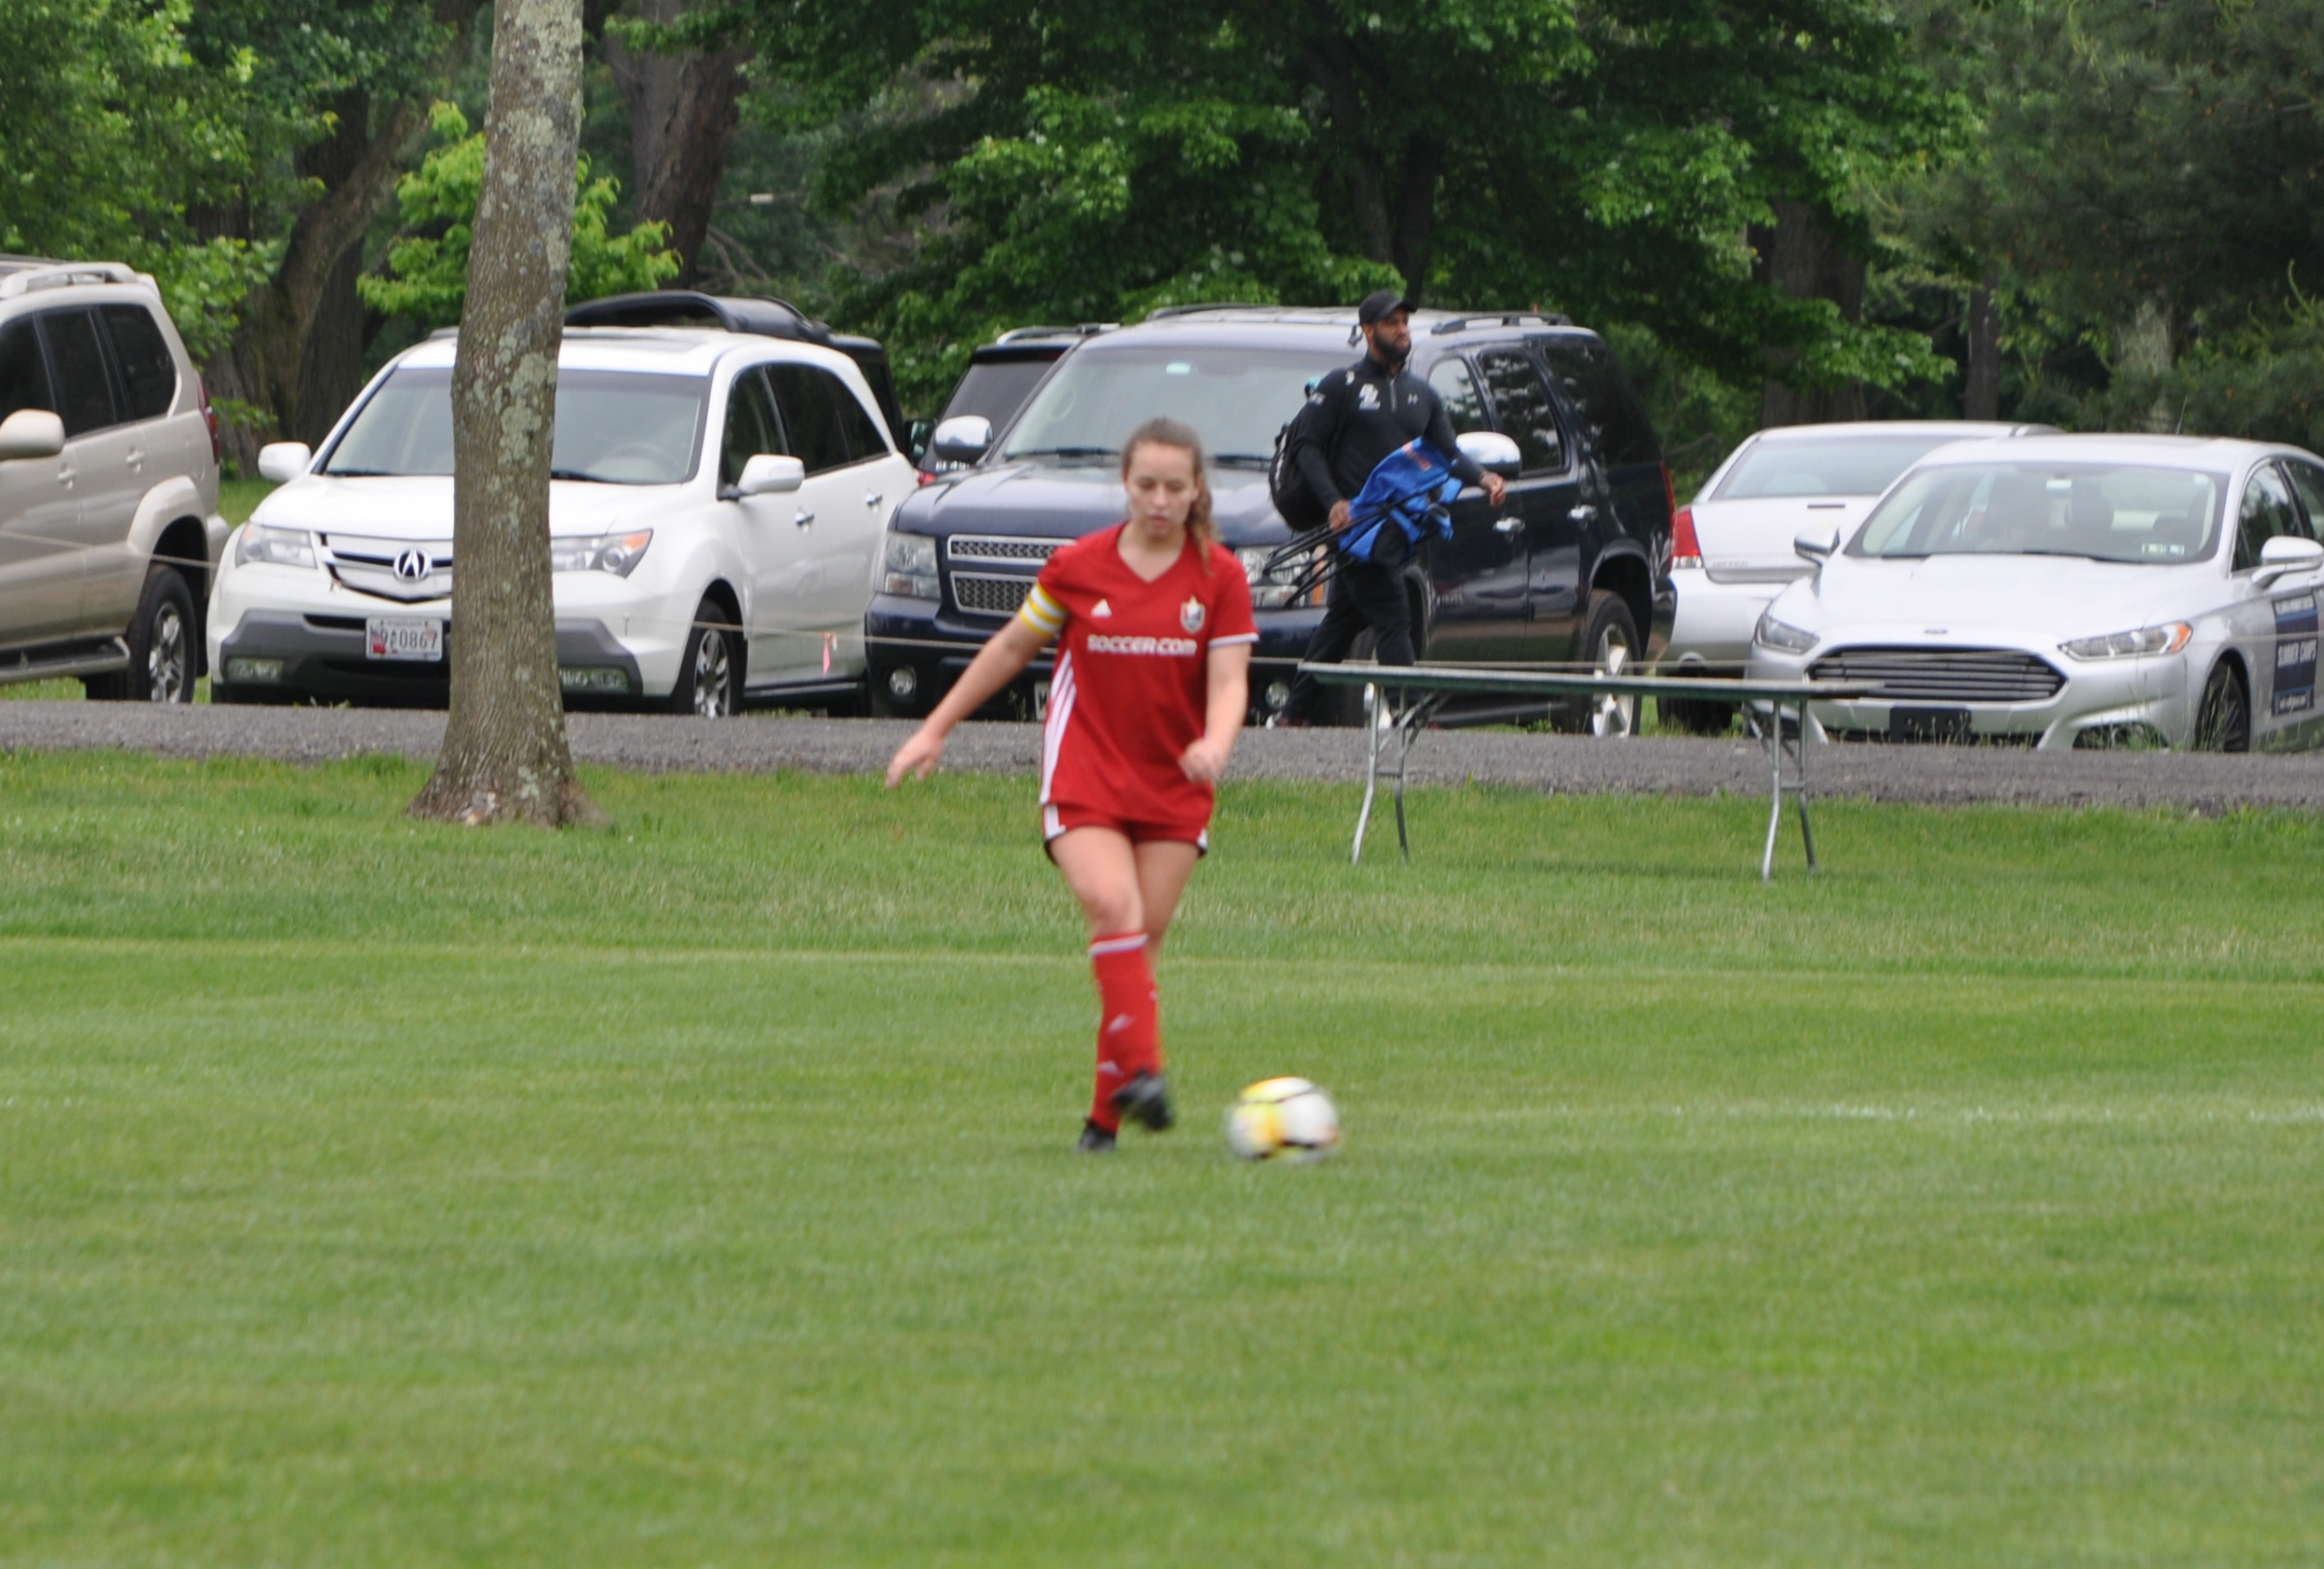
(2223, 720)
(162, 639)
(710, 672)
(1609, 640)
(1696, 716)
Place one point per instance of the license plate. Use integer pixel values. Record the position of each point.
(1928, 723)
(1040, 701)
(402, 636)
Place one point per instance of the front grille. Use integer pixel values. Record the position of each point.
(987, 594)
(1962, 675)
(368, 566)
(998, 547)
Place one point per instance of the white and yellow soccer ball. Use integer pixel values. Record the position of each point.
(1283, 1118)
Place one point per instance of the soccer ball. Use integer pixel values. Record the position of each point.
(1283, 1118)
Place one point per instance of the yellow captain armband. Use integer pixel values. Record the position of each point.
(1040, 613)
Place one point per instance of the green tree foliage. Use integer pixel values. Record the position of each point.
(428, 265)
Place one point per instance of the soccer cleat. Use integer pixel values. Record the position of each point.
(1144, 1100)
(1094, 1140)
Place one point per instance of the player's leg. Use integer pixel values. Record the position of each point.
(1101, 868)
(1334, 635)
(1164, 865)
(1377, 589)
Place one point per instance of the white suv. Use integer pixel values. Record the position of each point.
(715, 503)
(108, 483)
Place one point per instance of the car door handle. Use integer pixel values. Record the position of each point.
(873, 499)
(137, 457)
(1508, 526)
(803, 518)
(1583, 513)
(66, 475)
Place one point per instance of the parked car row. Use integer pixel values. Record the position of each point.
(740, 515)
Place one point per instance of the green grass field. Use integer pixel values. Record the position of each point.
(700, 1191)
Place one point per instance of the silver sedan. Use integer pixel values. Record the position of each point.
(2071, 591)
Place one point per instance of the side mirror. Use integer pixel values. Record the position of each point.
(1816, 545)
(1491, 451)
(962, 438)
(31, 433)
(284, 461)
(2278, 557)
(769, 474)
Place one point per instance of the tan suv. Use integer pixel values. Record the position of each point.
(110, 523)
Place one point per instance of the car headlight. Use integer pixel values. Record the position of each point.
(617, 554)
(1273, 590)
(908, 566)
(274, 547)
(2167, 639)
(1782, 635)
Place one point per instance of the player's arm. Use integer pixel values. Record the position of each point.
(1229, 669)
(1001, 659)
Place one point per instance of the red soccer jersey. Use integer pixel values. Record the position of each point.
(1132, 687)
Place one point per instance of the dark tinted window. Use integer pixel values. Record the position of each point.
(84, 392)
(752, 426)
(808, 417)
(864, 438)
(997, 389)
(2267, 512)
(1613, 419)
(2309, 481)
(148, 373)
(1528, 418)
(23, 375)
(1459, 390)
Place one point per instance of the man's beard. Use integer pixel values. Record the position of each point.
(1390, 355)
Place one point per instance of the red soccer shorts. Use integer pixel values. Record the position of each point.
(1060, 820)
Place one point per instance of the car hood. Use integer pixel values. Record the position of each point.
(419, 506)
(1069, 502)
(2048, 596)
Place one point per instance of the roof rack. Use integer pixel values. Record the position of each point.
(1086, 330)
(27, 275)
(1512, 318)
(1164, 313)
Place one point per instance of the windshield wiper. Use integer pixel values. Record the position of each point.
(362, 473)
(583, 475)
(1241, 458)
(1067, 452)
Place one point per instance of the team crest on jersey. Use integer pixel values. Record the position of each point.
(1368, 396)
(1191, 614)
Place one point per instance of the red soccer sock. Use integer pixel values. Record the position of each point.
(1129, 1029)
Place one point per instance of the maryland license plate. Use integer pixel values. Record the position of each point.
(402, 636)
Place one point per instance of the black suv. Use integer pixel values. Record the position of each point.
(1574, 563)
(1001, 377)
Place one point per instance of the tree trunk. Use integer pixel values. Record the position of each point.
(683, 111)
(1801, 261)
(1394, 207)
(505, 755)
(1981, 384)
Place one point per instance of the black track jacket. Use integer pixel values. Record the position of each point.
(1357, 416)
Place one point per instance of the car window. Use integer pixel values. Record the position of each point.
(84, 391)
(2308, 483)
(752, 426)
(613, 427)
(864, 438)
(2268, 511)
(1827, 465)
(1528, 418)
(1615, 421)
(808, 417)
(149, 376)
(23, 374)
(2108, 512)
(1462, 404)
(997, 388)
(1236, 399)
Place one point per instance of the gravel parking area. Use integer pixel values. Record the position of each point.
(1575, 765)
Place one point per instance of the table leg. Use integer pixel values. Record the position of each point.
(1807, 835)
(1371, 770)
(1772, 738)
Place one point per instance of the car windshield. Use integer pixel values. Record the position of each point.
(613, 427)
(2104, 511)
(1826, 466)
(1236, 399)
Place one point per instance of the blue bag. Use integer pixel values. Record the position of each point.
(1408, 491)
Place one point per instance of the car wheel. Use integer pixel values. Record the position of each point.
(2223, 720)
(1609, 641)
(1696, 716)
(161, 641)
(710, 674)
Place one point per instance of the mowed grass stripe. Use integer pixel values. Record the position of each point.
(444, 1197)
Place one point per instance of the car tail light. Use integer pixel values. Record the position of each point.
(1686, 550)
(209, 418)
(924, 477)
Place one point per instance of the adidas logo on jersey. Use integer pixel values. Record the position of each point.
(1102, 611)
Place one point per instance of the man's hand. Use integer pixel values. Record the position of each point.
(1341, 515)
(1496, 488)
(1204, 761)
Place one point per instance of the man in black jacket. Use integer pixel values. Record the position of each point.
(1354, 419)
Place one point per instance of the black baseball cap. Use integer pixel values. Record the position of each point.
(1385, 302)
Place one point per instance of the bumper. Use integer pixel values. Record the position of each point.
(917, 649)
(2098, 703)
(286, 655)
(1713, 624)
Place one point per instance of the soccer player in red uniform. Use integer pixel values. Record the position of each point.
(1153, 624)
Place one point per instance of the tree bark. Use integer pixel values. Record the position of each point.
(1394, 206)
(683, 111)
(1981, 383)
(505, 755)
(1800, 260)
